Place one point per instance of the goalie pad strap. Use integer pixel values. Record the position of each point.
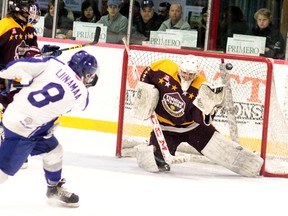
(209, 97)
(145, 101)
(231, 155)
(207, 120)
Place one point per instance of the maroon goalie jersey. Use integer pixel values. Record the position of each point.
(12, 35)
(175, 107)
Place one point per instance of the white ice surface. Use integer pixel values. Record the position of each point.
(110, 186)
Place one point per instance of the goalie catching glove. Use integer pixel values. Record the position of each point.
(209, 98)
(145, 101)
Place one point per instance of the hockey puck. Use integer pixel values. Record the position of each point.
(229, 66)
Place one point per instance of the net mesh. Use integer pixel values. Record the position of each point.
(248, 79)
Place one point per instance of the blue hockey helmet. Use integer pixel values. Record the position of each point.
(86, 67)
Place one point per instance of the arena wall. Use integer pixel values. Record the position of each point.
(102, 112)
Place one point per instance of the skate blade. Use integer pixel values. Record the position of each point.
(24, 166)
(59, 203)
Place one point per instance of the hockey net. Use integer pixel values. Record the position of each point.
(260, 121)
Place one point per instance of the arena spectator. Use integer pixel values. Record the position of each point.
(104, 7)
(202, 28)
(274, 41)
(89, 12)
(148, 21)
(163, 10)
(116, 23)
(233, 22)
(175, 21)
(64, 24)
(124, 8)
(136, 11)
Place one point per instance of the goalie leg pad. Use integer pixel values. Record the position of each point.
(52, 161)
(145, 158)
(231, 155)
(145, 101)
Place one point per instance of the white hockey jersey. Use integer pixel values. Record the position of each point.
(54, 90)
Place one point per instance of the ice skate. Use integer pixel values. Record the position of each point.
(25, 164)
(162, 165)
(59, 196)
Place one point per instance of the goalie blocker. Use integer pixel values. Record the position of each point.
(145, 101)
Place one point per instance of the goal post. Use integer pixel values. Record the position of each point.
(256, 108)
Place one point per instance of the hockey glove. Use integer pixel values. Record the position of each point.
(51, 50)
(145, 101)
(209, 98)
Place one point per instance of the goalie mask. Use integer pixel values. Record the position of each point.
(34, 14)
(21, 6)
(86, 67)
(188, 70)
(27, 8)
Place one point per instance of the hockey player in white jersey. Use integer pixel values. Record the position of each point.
(52, 88)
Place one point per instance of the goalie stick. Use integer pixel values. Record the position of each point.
(156, 126)
(231, 118)
(95, 41)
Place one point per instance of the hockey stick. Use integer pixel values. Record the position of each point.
(231, 118)
(156, 126)
(95, 41)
